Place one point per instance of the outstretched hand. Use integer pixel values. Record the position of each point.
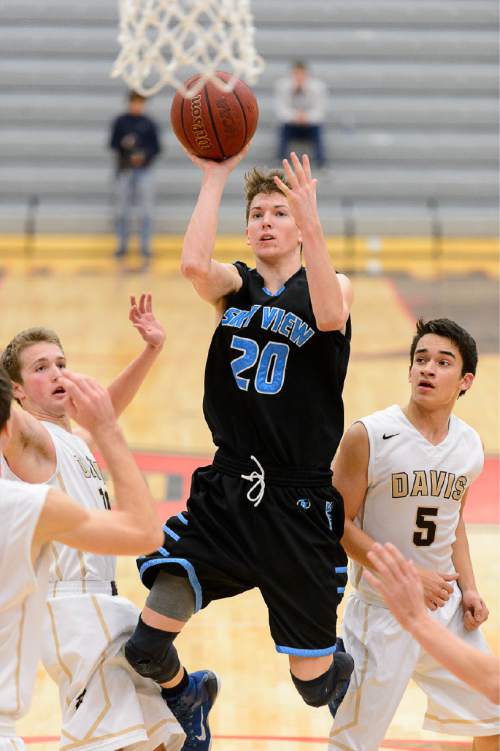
(301, 189)
(87, 402)
(142, 318)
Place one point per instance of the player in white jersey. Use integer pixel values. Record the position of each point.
(34, 515)
(404, 473)
(82, 589)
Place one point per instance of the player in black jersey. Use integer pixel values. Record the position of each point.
(264, 514)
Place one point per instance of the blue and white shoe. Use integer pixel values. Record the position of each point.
(344, 665)
(191, 709)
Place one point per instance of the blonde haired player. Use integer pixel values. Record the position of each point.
(87, 623)
(405, 474)
(33, 516)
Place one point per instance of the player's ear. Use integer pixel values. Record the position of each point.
(246, 235)
(466, 382)
(18, 391)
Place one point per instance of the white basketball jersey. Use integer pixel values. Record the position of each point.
(77, 474)
(415, 490)
(23, 591)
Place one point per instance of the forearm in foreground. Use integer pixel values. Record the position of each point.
(478, 670)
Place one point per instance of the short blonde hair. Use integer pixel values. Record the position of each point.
(11, 356)
(259, 181)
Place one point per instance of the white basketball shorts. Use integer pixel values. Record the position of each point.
(105, 704)
(386, 657)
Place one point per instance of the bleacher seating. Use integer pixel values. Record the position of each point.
(412, 113)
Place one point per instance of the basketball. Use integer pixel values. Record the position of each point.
(215, 124)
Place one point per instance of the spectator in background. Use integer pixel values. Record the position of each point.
(300, 108)
(134, 139)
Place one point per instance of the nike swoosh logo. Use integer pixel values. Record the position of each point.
(203, 736)
(385, 437)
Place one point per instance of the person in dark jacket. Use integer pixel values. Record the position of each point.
(135, 141)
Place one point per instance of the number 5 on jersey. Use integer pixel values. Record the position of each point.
(271, 364)
(428, 535)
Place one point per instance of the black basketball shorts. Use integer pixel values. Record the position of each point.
(287, 546)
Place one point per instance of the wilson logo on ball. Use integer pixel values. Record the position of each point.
(198, 127)
(213, 124)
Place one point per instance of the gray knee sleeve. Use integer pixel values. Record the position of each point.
(151, 653)
(172, 596)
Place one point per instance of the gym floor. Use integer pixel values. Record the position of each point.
(258, 709)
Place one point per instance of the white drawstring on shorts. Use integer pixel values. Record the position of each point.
(256, 492)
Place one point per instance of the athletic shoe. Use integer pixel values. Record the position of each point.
(344, 665)
(191, 709)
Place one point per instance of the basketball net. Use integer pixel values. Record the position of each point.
(165, 41)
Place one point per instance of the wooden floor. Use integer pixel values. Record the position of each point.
(258, 709)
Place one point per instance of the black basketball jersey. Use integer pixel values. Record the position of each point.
(273, 381)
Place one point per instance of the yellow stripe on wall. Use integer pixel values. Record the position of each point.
(374, 254)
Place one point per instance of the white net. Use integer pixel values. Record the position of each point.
(166, 41)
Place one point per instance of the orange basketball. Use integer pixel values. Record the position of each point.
(215, 124)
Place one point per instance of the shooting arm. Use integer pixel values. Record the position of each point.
(212, 280)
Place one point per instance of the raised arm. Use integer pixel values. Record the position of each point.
(134, 527)
(399, 583)
(475, 610)
(212, 280)
(126, 385)
(331, 293)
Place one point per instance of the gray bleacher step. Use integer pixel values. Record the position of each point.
(90, 76)
(335, 43)
(345, 110)
(439, 147)
(359, 183)
(172, 217)
(454, 13)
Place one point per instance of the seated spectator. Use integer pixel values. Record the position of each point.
(300, 108)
